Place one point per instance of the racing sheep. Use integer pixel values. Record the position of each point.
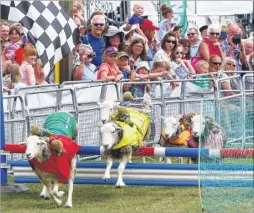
(120, 139)
(53, 165)
(212, 135)
(174, 134)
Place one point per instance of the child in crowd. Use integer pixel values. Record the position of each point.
(77, 10)
(141, 73)
(16, 76)
(186, 69)
(10, 48)
(19, 53)
(109, 70)
(123, 64)
(162, 70)
(202, 67)
(137, 19)
(27, 69)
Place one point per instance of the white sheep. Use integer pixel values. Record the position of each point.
(174, 135)
(40, 155)
(212, 135)
(109, 107)
(120, 140)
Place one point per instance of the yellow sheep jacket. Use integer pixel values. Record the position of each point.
(181, 140)
(132, 136)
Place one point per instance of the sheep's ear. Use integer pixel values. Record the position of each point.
(23, 143)
(163, 118)
(118, 128)
(44, 139)
(117, 104)
(179, 117)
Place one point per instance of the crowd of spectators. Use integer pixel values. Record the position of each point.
(136, 51)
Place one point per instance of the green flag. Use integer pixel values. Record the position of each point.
(180, 16)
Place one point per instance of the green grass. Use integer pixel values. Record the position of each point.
(107, 198)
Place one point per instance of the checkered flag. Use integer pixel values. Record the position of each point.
(46, 25)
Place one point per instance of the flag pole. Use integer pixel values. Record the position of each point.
(57, 73)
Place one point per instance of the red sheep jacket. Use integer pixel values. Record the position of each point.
(59, 165)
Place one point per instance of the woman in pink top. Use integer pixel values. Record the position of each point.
(109, 70)
(27, 69)
(211, 45)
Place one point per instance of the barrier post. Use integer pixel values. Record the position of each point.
(3, 180)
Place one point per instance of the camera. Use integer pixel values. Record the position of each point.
(237, 39)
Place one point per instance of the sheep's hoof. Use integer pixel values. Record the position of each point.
(68, 205)
(106, 177)
(60, 193)
(120, 184)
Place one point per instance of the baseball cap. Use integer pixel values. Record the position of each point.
(142, 64)
(148, 24)
(123, 54)
(111, 50)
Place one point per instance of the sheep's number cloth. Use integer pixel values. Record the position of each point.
(133, 136)
(181, 140)
(59, 165)
(61, 123)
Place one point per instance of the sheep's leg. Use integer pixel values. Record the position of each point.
(55, 190)
(121, 168)
(48, 186)
(107, 172)
(180, 160)
(68, 204)
(44, 193)
(168, 160)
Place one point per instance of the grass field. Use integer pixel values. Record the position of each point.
(107, 198)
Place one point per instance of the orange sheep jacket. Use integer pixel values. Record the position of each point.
(60, 165)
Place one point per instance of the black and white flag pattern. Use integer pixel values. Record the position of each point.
(46, 25)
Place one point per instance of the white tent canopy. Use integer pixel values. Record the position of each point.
(219, 7)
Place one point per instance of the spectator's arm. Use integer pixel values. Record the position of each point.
(78, 72)
(242, 54)
(204, 51)
(227, 86)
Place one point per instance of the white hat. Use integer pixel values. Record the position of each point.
(126, 29)
(142, 64)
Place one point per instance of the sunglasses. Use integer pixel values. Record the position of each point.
(98, 24)
(90, 56)
(217, 34)
(191, 34)
(230, 64)
(216, 63)
(170, 41)
(179, 53)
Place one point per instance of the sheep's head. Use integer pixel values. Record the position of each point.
(107, 108)
(197, 125)
(36, 147)
(111, 133)
(172, 127)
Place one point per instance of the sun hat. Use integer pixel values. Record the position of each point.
(142, 64)
(123, 54)
(127, 29)
(111, 50)
(113, 30)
